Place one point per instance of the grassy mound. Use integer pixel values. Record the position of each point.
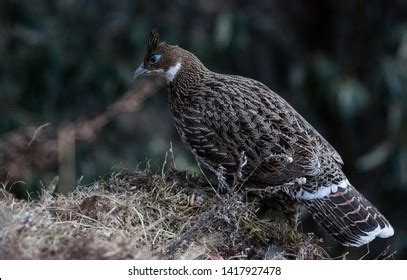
(139, 215)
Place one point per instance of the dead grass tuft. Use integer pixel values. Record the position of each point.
(139, 215)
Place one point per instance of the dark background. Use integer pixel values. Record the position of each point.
(341, 64)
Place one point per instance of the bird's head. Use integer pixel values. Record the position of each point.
(160, 59)
(169, 61)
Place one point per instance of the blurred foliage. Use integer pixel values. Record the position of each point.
(341, 64)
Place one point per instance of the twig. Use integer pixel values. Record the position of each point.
(141, 218)
(16, 153)
(35, 136)
(207, 180)
(163, 167)
(172, 156)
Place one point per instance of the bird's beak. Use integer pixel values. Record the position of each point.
(140, 71)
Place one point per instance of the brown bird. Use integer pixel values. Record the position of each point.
(245, 133)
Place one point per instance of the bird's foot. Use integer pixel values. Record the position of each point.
(275, 190)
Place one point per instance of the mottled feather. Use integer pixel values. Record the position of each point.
(244, 132)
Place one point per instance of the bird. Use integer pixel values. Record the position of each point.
(245, 133)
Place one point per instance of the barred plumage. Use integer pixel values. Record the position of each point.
(244, 132)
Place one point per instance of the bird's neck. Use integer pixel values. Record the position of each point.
(190, 73)
(189, 76)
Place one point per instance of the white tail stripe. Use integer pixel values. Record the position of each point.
(386, 232)
(378, 231)
(322, 191)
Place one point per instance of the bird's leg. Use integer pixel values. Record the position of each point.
(242, 163)
(222, 184)
(284, 204)
(238, 178)
(292, 214)
(279, 193)
(286, 187)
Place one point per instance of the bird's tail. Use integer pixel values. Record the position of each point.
(349, 216)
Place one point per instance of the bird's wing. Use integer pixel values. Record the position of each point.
(252, 120)
(200, 136)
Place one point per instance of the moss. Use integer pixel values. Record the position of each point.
(139, 215)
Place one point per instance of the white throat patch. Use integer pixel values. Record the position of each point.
(172, 71)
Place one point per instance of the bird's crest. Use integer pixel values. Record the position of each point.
(154, 40)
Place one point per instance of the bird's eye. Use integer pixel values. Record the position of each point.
(154, 58)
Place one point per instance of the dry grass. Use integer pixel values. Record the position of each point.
(139, 215)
